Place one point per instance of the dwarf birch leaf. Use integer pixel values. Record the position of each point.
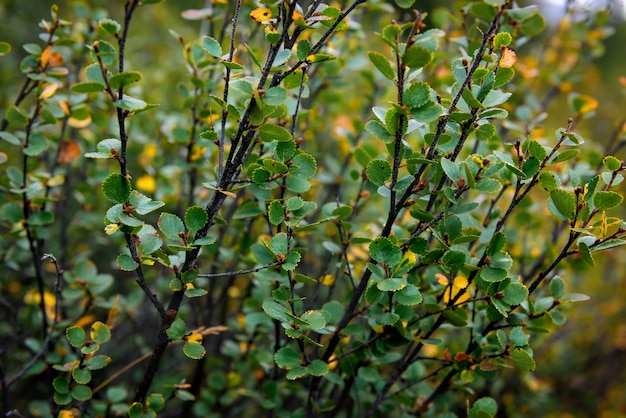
(287, 358)
(564, 202)
(515, 294)
(177, 330)
(603, 200)
(87, 87)
(317, 368)
(276, 212)
(584, 252)
(211, 46)
(125, 79)
(76, 336)
(171, 226)
(116, 188)
(81, 393)
(195, 218)
(378, 172)
(385, 251)
(408, 296)
(269, 132)
(125, 262)
(194, 351)
(522, 360)
(382, 64)
(416, 56)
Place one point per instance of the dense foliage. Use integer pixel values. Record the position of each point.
(348, 209)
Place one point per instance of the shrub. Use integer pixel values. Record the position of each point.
(323, 218)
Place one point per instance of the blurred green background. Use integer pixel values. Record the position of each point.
(582, 366)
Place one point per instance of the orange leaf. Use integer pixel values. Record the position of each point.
(461, 356)
(70, 150)
(508, 58)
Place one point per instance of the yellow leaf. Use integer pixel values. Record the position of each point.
(48, 90)
(110, 229)
(327, 280)
(146, 183)
(194, 338)
(261, 14)
(508, 58)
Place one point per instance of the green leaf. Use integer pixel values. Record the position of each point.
(303, 166)
(155, 401)
(584, 252)
(171, 226)
(195, 218)
(378, 130)
(603, 200)
(109, 25)
(303, 49)
(276, 311)
(61, 384)
(548, 181)
(378, 172)
(5, 48)
(497, 243)
(81, 376)
(522, 360)
(515, 294)
(408, 296)
(416, 56)
(125, 262)
(454, 317)
(41, 218)
(391, 285)
(382, 64)
(76, 336)
(81, 393)
(177, 330)
(116, 188)
(565, 155)
(269, 132)
(296, 373)
(36, 145)
(315, 319)
(275, 96)
(564, 202)
(87, 87)
(97, 362)
(502, 39)
(211, 46)
(611, 163)
(125, 79)
(16, 116)
(518, 337)
(488, 185)
(276, 212)
(484, 408)
(194, 351)
(317, 368)
(383, 250)
(130, 103)
(418, 94)
(451, 169)
(557, 287)
(10, 138)
(405, 4)
(575, 297)
(287, 358)
(100, 332)
(107, 148)
(492, 275)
